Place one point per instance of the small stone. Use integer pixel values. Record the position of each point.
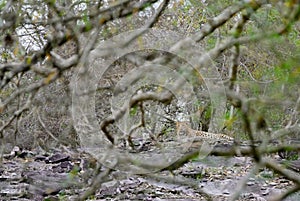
(204, 180)
(272, 183)
(283, 181)
(265, 192)
(15, 151)
(110, 184)
(251, 179)
(250, 183)
(57, 158)
(226, 192)
(40, 158)
(263, 188)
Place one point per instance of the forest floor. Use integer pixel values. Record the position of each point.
(62, 175)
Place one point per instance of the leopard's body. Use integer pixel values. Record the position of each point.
(184, 127)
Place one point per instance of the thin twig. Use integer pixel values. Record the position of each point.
(289, 174)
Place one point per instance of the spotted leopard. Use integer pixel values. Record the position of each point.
(183, 128)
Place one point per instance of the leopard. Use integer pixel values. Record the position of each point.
(183, 128)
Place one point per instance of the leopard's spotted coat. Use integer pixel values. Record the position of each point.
(184, 127)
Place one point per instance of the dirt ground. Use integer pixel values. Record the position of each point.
(62, 175)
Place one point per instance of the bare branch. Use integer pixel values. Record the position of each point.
(281, 170)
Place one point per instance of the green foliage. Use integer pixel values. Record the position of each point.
(289, 71)
(265, 18)
(2, 4)
(133, 111)
(6, 92)
(211, 42)
(229, 120)
(51, 2)
(208, 112)
(74, 172)
(214, 7)
(165, 131)
(62, 196)
(5, 56)
(196, 3)
(294, 157)
(87, 22)
(266, 174)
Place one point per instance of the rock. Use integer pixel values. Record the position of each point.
(265, 192)
(40, 158)
(57, 158)
(226, 192)
(251, 179)
(34, 179)
(250, 183)
(64, 166)
(273, 183)
(15, 151)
